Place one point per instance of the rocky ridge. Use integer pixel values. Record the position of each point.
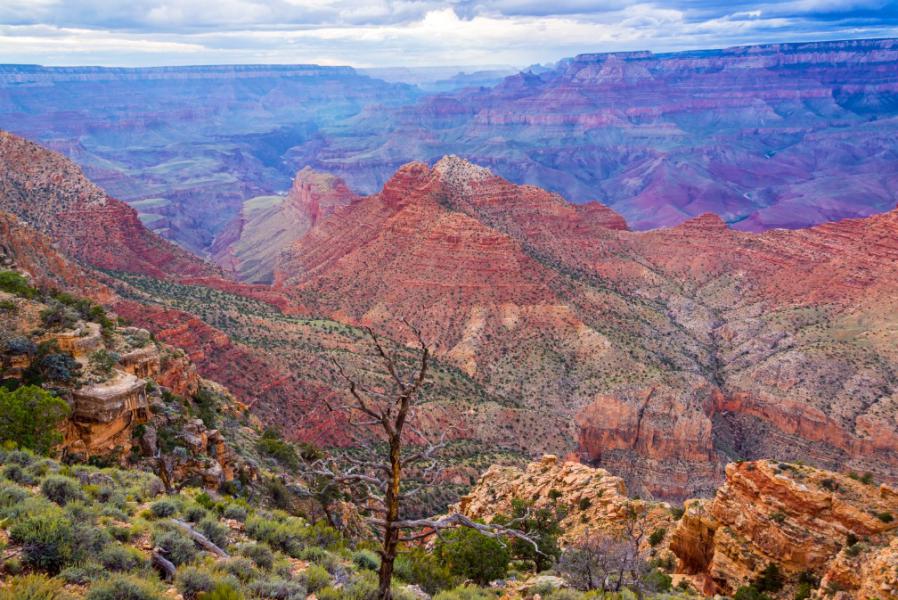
(819, 528)
(670, 352)
(834, 529)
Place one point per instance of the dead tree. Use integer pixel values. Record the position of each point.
(399, 460)
(610, 562)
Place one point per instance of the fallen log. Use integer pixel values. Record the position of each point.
(201, 540)
(165, 566)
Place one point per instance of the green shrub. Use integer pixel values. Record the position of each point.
(33, 587)
(803, 591)
(424, 569)
(584, 503)
(116, 557)
(466, 592)
(120, 533)
(885, 517)
(472, 555)
(46, 539)
(657, 536)
(11, 495)
(234, 511)
(272, 444)
(59, 316)
(222, 591)
(563, 594)
(195, 513)
(543, 525)
(18, 474)
(215, 531)
(103, 361)
(366, 559)
(82, 574)
(362, 587)
(166, 507)
(259, 554)
(749, 592)
(192, 581)
(31, 418)
(177, 547)
(88, 540)
(124, 587)
(15, 283)
(329, 593)
(315, 578)
(61, 490)
(242, 568)
(657, 580)
(770, 579)
(278, 589)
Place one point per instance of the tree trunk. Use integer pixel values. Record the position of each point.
(391, 533)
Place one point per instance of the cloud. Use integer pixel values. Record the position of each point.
(410, 32)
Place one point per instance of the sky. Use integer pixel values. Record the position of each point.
(414, 33)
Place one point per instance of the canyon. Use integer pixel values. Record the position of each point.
(780, 135)
(660, 356)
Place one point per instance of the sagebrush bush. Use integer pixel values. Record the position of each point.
(10, 495)
(366, 559)
(466, 592)
(242, 568)
(217, 533)
(119, 558)
(260, 554)
(423, 569)
(47, 541)
(33, 587)
(222, 592)
(124, 587)
(316, 577)
(166, 507)
(192, 581)
(234, 511)
(18, 474)
(278, 589)
(177, 547)
(195, 513)
(82, 574)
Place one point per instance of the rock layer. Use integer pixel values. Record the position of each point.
(802, 519)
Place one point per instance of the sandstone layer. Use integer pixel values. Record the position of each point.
(829, 527)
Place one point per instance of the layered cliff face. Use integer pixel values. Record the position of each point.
(784, 135)
(186, 146)
(666, 352)
(659, 355)
(52, 195)
(267, 225)
(817, 525)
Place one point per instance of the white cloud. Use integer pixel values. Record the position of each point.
(408, 32)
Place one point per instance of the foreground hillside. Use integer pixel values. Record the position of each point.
(774, 530)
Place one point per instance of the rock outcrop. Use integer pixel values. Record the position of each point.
(593, 500)
(830, 527)
(249, 247)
